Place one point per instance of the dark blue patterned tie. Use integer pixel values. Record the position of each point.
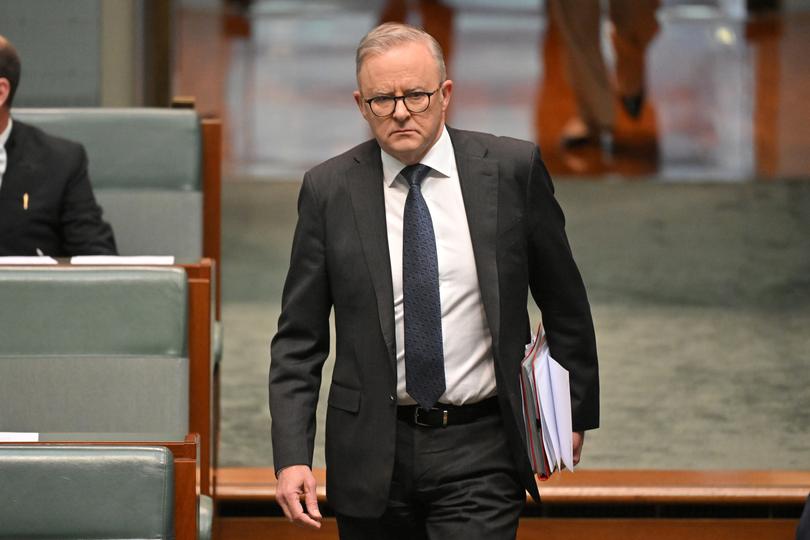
(424, 354)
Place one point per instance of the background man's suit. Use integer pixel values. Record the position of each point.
(63, 218)
(340, 258)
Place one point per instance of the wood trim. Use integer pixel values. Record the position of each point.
(185, 476)
(676, 487)
(592, 486)
(256, 484)
(275, 528)
(212, 199)
(199, 351)
(659, 529)
(764, 33)
(549, 529)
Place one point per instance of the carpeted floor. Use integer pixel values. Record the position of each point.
(701, 299)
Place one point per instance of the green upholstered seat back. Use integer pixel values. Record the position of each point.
(79, 492)
(94, 350)
(146, 169)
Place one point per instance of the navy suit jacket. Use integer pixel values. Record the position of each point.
(62, 218)
(340, 261)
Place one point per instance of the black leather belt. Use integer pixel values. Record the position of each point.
(443, 415)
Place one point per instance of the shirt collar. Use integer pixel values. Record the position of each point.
(6, 133)
(441, 158)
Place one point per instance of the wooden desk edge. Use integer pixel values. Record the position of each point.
(649, 487)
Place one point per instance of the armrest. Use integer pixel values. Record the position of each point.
(205, 517)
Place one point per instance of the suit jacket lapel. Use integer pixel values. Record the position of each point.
(19, 175)
(479, 187)
(365, 183)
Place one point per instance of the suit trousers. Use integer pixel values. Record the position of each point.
(634, 26)
(454, 482)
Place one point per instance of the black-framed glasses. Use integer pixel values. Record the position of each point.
(415, 102)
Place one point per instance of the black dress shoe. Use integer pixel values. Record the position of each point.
(632, 105)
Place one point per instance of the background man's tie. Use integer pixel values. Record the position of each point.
(424, 354)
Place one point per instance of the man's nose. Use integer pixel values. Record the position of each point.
(401, 112)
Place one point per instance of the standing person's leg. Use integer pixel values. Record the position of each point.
(634, 26)
(579, 24)
(404, 519)
(454, 482)
(469, 484)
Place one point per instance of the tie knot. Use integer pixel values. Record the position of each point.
(414, 174)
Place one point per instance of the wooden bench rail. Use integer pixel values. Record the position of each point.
(605, 504)
(591, 486)
(201, 391)
(676, 487)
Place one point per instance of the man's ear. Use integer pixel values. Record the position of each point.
(5, 91)
(446, 91)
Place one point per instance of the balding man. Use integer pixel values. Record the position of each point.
(425, 241)
(47, 205)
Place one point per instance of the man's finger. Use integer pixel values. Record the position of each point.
(302, 518)
(294, 512)
(288, 502)
(311, 500)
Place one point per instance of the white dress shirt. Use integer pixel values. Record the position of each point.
(468, 365)
(3, 156)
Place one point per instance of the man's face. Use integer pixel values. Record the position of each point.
(5, 90)
(403, 69)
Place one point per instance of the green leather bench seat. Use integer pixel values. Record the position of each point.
(94, 350)
(116, 393)
(79, 492)
(145, 167)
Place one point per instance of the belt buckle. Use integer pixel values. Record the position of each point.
(420, 423)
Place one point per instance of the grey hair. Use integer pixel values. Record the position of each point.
(389, 35)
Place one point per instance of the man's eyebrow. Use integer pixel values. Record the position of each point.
(390, 93)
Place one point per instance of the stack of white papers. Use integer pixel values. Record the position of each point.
(130, 260)
(546, 409)
(27, 260)
(15, 436)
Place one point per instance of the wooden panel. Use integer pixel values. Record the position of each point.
(199, 350)
(212, 200)
(659, 529)
(275, 528)
(548, 529)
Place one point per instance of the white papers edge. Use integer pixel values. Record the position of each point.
(32, 261)
(18, 436)
(560, 387)
(112, 260)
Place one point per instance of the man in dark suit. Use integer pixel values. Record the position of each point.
(426, 242)
(46, 201)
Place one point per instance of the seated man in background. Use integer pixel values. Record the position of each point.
(46, 201)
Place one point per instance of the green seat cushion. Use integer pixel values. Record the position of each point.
(93, 311)
(130, 148)
(80, 492)
(94, 394)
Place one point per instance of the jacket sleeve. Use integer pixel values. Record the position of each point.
(301, 344)
(558, 290)
(82, 229)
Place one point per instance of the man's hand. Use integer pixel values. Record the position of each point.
(293, 482)
(578, 438)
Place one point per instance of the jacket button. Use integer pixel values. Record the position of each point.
(392, 398)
